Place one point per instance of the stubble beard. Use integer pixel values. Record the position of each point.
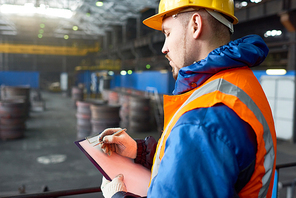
(176, 69)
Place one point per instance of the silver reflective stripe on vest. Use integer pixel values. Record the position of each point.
(230, 89)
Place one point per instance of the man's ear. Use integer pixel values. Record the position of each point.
(196, 25)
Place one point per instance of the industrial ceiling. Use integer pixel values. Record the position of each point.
(82, 19)
(75, 19)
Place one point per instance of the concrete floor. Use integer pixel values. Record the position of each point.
(23, 162)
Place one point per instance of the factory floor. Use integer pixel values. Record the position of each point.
(48, 158)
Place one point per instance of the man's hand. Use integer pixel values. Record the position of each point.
(122, 144)
(110, 188)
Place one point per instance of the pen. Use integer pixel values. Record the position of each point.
(114, 134)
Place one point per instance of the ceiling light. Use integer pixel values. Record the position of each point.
(255, 1)
(29, 10)
(42, 25)
(99, 3)
(276, 72)
(273, 33)
(123, 73)
(40, 36)
(66, 36)
(75, 28)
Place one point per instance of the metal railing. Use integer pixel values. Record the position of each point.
(58, 193)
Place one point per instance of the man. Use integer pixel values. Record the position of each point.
(219, 138)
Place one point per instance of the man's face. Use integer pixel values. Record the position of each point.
(175, 44)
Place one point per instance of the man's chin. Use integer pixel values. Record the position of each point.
(175, 76)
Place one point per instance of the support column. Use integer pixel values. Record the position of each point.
(34, 62)
(6, 62)
(64, 64)
(106, 41)
(124, 33)
(114, 34)
(292, 66)
(1, 59)
(139, 22)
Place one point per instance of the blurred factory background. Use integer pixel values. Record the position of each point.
(70, 68)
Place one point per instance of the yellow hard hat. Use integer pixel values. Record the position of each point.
(167, 7)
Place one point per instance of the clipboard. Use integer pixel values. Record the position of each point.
(136, 176)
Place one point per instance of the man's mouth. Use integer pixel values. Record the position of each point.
(168, 57)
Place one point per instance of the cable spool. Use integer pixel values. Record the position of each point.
(17, 93)
(83, 116)
(139, 114)
(113, 98)
(12, 119)
(104, 116)
(124, 110)
(77, 95)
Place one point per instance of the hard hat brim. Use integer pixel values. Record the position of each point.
(155, 21)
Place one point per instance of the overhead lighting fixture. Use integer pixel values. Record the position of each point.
(241, 4)
(129, 72)
(123, 73)
(41, 31)
(148, 66)
(30, 10)
(273, 33)
(276, 71)
(75, 28)
(42, 25)
(255, 1)
(40, 35)
(111, 73)
(99, 3)
(66, 36)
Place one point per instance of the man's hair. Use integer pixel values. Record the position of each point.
(220, 31)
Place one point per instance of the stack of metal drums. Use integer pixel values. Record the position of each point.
(104, 116)
(83, 116)
(14, 111)
(113, 97)
(94, 116)
(124, 109)
(139, 114)
(77, 95)
(135, 111)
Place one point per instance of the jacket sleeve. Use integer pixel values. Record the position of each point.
(201, 158)
(145, 153)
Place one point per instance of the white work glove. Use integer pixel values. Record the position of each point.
(122, 143)
(110, 188)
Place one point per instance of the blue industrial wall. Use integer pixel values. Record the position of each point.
(162, 81)
(22, 78)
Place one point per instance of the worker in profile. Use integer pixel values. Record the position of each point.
(219, 137)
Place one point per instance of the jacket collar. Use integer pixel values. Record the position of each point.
(248, 51)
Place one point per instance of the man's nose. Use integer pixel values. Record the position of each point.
(164, 49)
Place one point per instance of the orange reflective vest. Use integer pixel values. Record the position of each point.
(239, 90)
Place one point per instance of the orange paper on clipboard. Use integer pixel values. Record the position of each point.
(136, 176)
